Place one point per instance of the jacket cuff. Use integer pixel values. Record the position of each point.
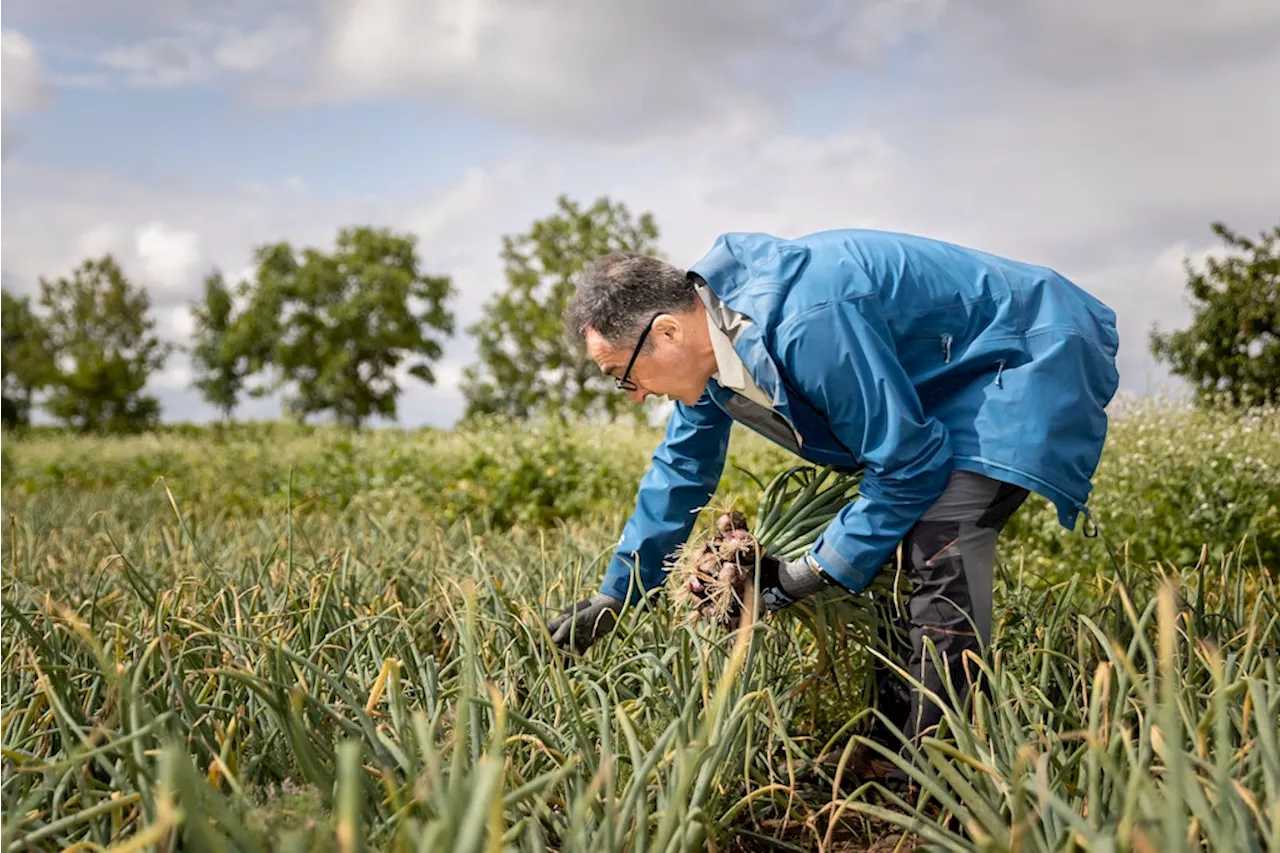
(838, 568)
(620, 582)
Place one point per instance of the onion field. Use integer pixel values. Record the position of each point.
(292, 638)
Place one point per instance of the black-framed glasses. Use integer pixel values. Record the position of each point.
(623, 383)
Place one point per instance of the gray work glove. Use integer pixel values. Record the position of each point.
(587, 621)
(784, 582)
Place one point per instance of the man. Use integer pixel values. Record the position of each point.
(958, 380)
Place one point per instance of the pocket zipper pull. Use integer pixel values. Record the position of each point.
(946, 349)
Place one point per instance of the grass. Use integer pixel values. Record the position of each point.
(345, 663)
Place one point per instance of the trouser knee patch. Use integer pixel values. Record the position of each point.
(940, 591)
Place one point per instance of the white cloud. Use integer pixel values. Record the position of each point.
(570, 66)
(883, 24)
(252, 50)
(176, 375)
(24, 82)
(470, 195)
(122, 18)
(619, 71)
(606, 70)
(1112, 236)
(164, 62)
(1101, 142)
(153, 44)
(1091, 39)
(170, 256)
(176, 323)
(101, 239)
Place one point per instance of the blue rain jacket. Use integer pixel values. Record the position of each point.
(905, 355)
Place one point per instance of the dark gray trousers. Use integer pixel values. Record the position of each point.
(949, 557)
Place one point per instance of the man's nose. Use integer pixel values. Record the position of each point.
(638, 395)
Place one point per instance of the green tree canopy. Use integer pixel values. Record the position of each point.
(105, 349)
(27, 360)
(219, 370)
(525, 365)
(1232, 346)
(337, 327)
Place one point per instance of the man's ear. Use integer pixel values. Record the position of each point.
(668, 328)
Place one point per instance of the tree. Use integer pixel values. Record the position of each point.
(27, 360)
(339, 327)
(525, 364)
(219, 368)
(105, 347)
(1232, 347)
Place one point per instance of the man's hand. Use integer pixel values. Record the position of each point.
(587, 621)
(773, 593)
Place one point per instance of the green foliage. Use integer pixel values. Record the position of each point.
(338, 328)
(1138, 716)
(8, 466)
(1173, 478)
(377, 677)
(219, 371)
(105, 349)
(1232, 347)
(27, 361)
(539, 473)
(526, 366)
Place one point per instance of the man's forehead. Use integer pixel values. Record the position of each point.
(597, 345)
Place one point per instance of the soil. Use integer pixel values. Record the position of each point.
(857, 835)
(853, 833)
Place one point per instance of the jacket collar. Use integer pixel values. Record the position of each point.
(751, 273)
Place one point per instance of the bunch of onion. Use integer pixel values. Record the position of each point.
(713, 576)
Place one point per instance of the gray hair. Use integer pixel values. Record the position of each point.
(618, 293)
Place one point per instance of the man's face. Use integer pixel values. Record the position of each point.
(668, 366)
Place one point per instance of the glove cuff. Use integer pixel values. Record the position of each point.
(789, 581)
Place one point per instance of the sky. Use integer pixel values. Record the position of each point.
(1099, 137)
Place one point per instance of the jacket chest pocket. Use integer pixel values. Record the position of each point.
(935, 340)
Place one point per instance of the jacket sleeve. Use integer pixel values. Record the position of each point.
(682, 478)
(843, 360)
